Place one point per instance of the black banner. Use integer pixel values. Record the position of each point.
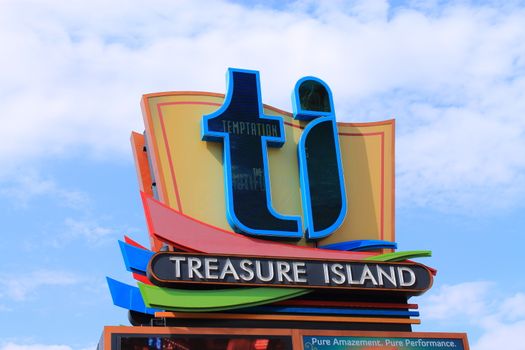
(172, 268)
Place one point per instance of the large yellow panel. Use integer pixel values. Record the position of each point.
(189, 172)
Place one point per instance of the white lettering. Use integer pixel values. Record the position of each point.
(349, 275)
(246, 266)
(402, 282)
(209, 268)
(228, 269)
(337, 269)
(282, 271)
(367, 275)
(326, 275)
(177, 260)
(194, 266)
(299, 268)
(258, 272)
(382, 273)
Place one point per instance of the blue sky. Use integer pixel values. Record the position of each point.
(71, 77)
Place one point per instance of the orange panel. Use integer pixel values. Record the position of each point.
(138, 144)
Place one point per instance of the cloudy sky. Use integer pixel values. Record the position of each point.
(71, 77)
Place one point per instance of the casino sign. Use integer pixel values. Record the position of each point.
(265, 220)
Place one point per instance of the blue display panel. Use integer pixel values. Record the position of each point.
(377, 343)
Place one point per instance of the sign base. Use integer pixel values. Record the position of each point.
(183, 338)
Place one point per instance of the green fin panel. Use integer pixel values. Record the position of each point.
(400, 256)
(186, 300)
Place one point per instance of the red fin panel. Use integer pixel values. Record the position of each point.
(189, 234)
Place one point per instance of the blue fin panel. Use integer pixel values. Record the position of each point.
(361, 245)
(128, 297)
(136, 259)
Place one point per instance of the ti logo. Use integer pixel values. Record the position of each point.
(246, 132)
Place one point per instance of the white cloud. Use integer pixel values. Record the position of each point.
(16, 346)
(513, 308)
(5, 308)
(480, 306)
(465, 299)
(72, 73)
(13, 346)
(90, 231)
(20, 287)
(507, 336)
(28, 185)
